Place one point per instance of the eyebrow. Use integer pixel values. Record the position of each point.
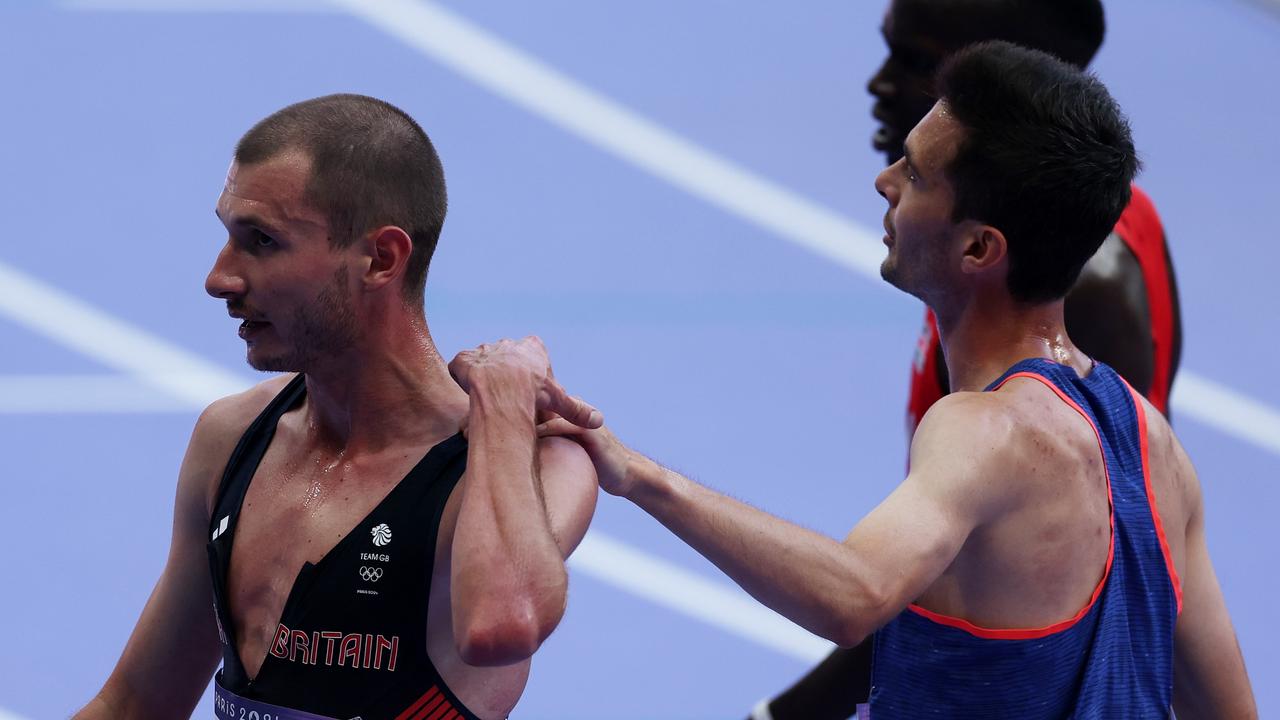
(252, 221)
(906, 153)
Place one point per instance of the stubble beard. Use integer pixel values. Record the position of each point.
(322, 329)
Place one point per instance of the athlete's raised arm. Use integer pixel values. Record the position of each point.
(525, 504)
(841, 591)
(174, 648)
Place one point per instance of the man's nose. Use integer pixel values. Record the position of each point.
(882, 84)
(224, 281)
(885, 185)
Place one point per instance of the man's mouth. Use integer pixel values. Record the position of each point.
(251, 327)
(882, 139)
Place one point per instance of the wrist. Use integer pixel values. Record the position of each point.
(648, 481)
(502, 394)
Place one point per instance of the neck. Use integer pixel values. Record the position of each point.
(391, 387)
(985, 336)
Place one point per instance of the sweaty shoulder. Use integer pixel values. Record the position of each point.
(217, 431)
(1000, 447)
(965, 446)
(1171, 474)
(966, 425)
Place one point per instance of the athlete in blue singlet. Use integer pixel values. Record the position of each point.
(1045, 557)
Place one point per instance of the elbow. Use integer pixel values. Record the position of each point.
(506, 632)
(853, 623)
(849, 634)
(489, 644)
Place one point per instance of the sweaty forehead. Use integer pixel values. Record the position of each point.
(274, 188)
(933, 143)
(283, 174)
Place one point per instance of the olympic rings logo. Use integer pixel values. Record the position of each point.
(370, 574)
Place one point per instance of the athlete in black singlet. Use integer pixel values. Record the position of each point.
(336, 540)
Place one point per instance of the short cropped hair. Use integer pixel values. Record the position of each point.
(371, 165)
(1047, 158)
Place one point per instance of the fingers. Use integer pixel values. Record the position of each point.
(571, 408)
(460, 368)
(559, 427)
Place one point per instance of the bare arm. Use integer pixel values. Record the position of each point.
(524, 507)
(1209, 678)
(840, 591)
(174, 648)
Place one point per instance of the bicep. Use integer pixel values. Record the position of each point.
(569, 490)
(908, 541)
(958, 458)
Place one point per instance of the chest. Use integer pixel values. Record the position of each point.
(299, 509)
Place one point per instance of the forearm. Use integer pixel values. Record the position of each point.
(99, 709)
(807, 577)
(507, 569)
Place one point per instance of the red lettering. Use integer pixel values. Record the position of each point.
(280, 646)
(330, 636)
(300, 641)
(368, 649)
(350, 649)
(395, 650)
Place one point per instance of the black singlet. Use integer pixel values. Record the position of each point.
(351, 640)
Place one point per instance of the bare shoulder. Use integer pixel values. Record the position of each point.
(964, 448)
(1170, 467)
(569, 487)
(994, 448)
(217, 431)
(971, 427)
(233, 413)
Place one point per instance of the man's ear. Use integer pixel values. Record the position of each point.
(984, 248)
(387, 251)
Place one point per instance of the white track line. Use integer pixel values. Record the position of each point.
(1226, 409)
(687, 592)
(116, 344)
(291, 6)
(528, 82)
(66, 394)
(6, 715)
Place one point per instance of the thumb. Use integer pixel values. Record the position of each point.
(571, 408)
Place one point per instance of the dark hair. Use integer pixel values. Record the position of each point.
(1047, 158)
(371, 165)
(1071, 30)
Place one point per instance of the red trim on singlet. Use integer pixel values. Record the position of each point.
(1035, 633)
(410, 711)
(1151, 498)
(1140, 229)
